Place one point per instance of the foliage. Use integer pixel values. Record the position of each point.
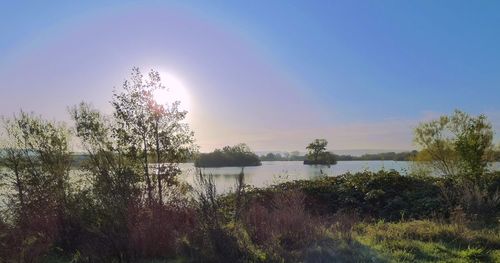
(317, 153)
(139, 146)
(114, 176)
(400, 156)
(120, 211)
(385, 194)
(473, 203)
(281, 157)
(457, 146)
(496, 154)
(391, 196)
(151, 129)
(315, 148)
(230, 156)
(36, 155)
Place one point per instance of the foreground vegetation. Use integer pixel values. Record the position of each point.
(363, 217)
(429, 241)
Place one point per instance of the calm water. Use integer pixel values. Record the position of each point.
(278, 172)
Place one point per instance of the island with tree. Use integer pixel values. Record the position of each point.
(238, 155)
(317, 153)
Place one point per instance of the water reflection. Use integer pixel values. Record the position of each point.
(278, 172)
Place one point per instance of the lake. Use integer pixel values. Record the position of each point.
(281, 171)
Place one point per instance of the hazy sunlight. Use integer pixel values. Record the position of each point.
(175, 91)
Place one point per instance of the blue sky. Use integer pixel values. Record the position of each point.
(274, 74)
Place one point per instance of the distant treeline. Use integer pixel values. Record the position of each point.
(392, 156)
(401, 156)
(294, 156)
(205, 158)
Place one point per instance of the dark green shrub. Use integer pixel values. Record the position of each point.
(230, 156)
(385, 194)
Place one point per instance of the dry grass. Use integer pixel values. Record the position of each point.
(155, 231)
(282, 226)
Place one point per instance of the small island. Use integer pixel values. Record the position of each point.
(318, 155)
(230, 156)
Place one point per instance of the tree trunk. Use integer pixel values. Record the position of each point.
(146, 172)
(158, 165)
(20, 192)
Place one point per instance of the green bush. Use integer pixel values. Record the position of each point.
(391, 196)
(384, 194)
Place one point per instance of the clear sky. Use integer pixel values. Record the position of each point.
(273, 74)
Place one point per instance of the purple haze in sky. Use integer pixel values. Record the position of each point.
(247, 80)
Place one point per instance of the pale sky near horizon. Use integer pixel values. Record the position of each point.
(272, 74)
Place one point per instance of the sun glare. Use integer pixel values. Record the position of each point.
(175, 91)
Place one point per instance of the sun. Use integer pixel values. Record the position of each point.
(175, 90)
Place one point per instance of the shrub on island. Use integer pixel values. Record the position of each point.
(326, 158)
(229, 156)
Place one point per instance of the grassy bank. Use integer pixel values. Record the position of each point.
(429, 241)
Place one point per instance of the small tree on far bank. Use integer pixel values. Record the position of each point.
(317, 153)
(316, 148)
